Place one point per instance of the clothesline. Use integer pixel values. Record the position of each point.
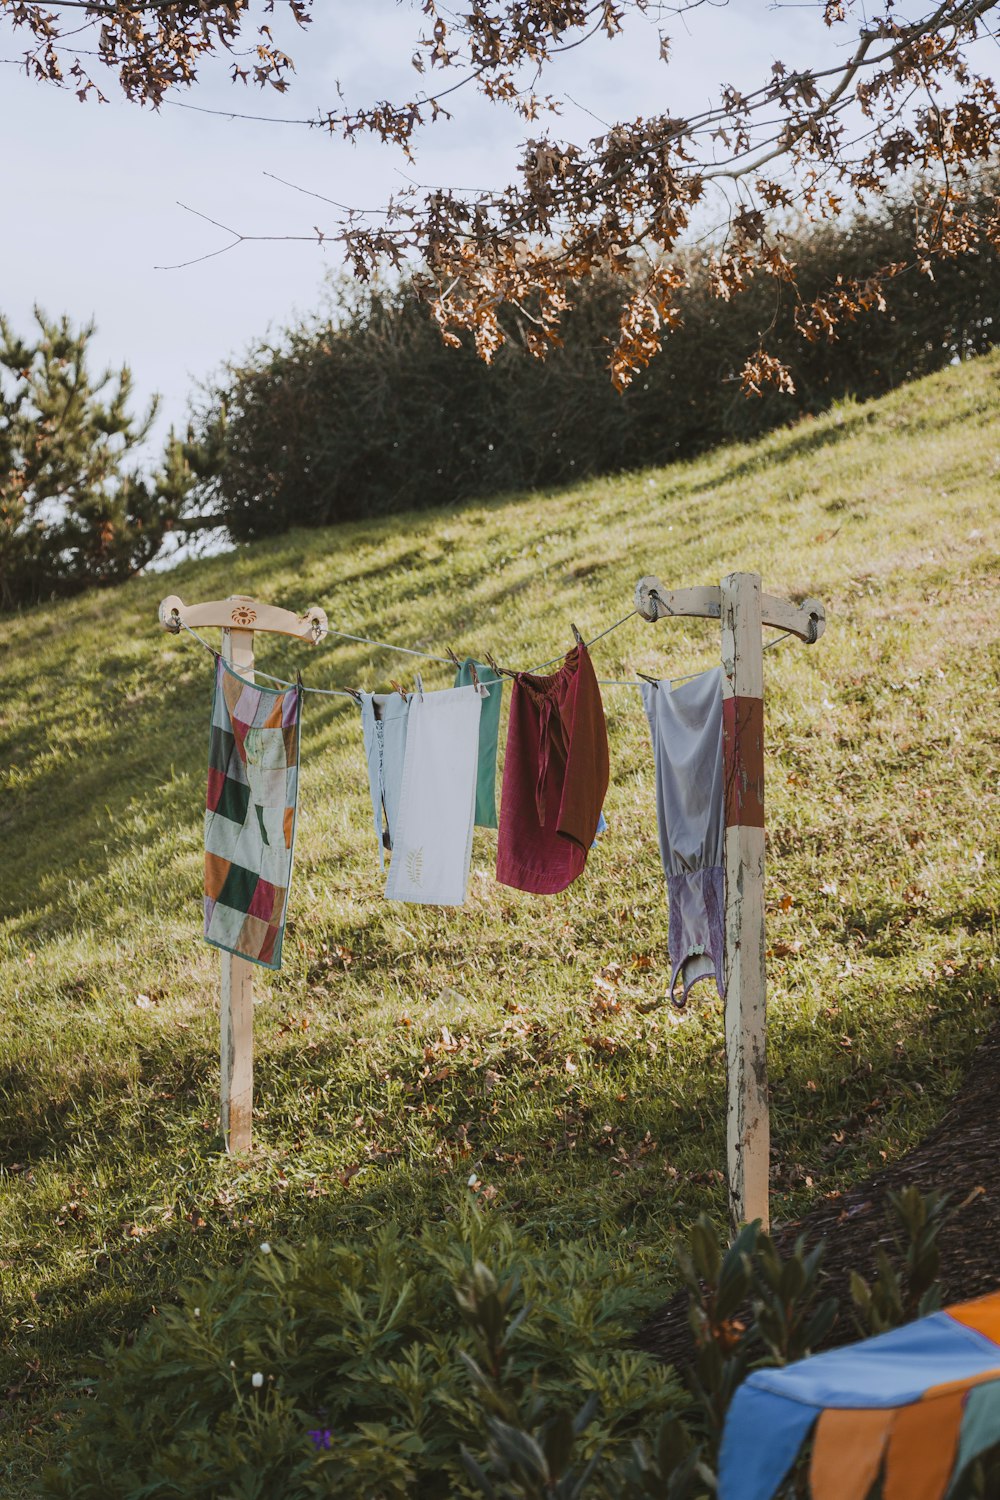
(447, 661)
(432, 762)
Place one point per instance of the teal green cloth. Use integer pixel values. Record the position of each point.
(489, 734)
(980, 1427)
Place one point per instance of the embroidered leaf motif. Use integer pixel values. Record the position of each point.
(415, 866)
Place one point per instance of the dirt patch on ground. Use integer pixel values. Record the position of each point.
(961, 1157)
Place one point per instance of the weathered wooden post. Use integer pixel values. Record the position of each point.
(239, 617)
(742, 610)
(748, 1125)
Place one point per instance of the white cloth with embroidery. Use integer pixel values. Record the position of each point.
(432, 842)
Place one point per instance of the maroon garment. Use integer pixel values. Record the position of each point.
(555, 777)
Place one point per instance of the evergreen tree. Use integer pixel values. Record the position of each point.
(75, 508)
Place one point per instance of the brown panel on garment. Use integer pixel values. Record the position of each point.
(847, 1453)
(743, 761)
(922, 1447)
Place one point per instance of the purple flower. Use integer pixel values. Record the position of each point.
(321, 1437)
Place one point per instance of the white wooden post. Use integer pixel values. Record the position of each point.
(236, 991)
(239, 617)
(742, 610)
(748, 1128)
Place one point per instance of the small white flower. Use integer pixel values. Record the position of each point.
(265, 1248)
(256, 1380)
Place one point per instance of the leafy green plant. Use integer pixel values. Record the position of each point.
(791, 1318)
(911, 1290)
(533, 1450)
(355, 1370)
(719, 1280)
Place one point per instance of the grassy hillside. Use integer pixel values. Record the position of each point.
(403, 1050)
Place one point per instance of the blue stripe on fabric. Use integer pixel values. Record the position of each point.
(760, 1443)
(892, 1369)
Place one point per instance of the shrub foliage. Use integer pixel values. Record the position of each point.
(388, 1368)
(364, 411)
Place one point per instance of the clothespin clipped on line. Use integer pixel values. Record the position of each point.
(355, 694)
(453, 656)
(396, 688)
(420, 686)
(577, 636)
(495, 666)
(653, 681)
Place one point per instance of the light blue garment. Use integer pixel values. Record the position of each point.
(686, 728)
(383, 722)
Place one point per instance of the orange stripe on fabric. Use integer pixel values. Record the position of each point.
(847, 1452)
(982, 1314)
(922, 1447)
(934, 1391)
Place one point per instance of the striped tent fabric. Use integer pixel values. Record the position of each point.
(915, 1406)
(253, 773)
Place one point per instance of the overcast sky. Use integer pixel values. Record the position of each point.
(91, 191)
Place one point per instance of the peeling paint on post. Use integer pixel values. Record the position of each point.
(748, 1132)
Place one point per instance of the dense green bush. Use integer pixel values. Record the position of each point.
(363, 410)
(359, 1345)
(388, 1369)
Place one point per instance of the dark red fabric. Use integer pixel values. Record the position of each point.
(555, 777)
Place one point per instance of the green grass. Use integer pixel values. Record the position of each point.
(403, 1050)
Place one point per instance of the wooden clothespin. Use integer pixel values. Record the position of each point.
(653, 681)
(397, 689)
(577, 636)
(452, 656)
(495, 666)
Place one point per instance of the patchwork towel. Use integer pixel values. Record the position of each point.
(432, 842)
(253, 774)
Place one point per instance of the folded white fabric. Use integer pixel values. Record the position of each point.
(432, 843)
